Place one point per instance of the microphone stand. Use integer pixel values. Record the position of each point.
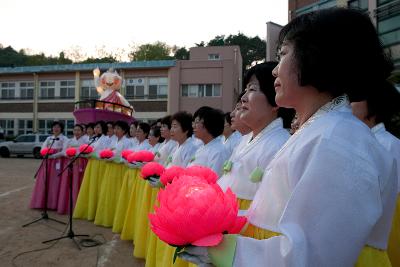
(45, 215)
(71, 233)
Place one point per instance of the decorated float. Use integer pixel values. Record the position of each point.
(112, 106)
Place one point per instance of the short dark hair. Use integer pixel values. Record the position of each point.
(384, 103)
(338, 51)
(145, 127)
(167, 121)
(123, 125)
(59, 123)
(185, 120)
(136, 123)
(263, 73)
(103, 126)
(200, 111)
(228, 118)
(79, 125)
(90, 125)
(157, 133)
(213, 120)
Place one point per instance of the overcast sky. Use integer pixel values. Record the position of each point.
(51, 26)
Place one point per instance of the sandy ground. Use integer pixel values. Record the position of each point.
(16, 185)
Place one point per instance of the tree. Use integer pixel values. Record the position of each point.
(155, 51)
(218, 40)
(253, 49)
(182, 54)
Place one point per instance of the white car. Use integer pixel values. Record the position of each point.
(26, 144)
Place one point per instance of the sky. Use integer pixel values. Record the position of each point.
(88, 26)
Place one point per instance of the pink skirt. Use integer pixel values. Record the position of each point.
(54, 167)
(78, 169)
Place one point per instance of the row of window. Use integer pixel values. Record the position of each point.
(136, 88)
(7, 126)
(201, 90)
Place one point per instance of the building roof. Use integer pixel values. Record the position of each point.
(90, 67)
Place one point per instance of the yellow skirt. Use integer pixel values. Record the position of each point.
(369, 257)
(128, 184)
(394, 237)
(244, 204)
(128, 229)
(86, 203)
(109, 194)
(142, 226)
(152, 252)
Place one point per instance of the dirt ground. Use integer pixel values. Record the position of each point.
(16, 183)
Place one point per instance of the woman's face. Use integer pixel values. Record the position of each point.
(110, 129)
(165, 132)
(78, 132)
(140, 135)
(56, 129)
(177, 133)
(255, 106)
(287, 87)
(227, 129)
(89, 131)
(199, 130)
(132, 130)
(152, 139)
(119, 132)
(97, 129)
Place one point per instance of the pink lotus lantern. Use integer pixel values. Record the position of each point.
(152, 169)
(125, 153)
(70, 152)
(85, 149)
(106, 154)
(195, 212)
(205, 172)
(170, 174)
(47, 151)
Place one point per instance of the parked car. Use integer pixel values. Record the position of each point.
(23, 145)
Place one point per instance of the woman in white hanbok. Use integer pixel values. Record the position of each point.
(376, 112)
(181, 132)
(208, 126)
(327, 198)
(243, 171)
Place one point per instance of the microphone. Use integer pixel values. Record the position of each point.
(56, 138)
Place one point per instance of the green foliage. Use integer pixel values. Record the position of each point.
(252, 48)
(11, 58)
(181, 54)
(155, 51)
(108, 59)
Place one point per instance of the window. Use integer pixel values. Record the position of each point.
(213, 56)
(7, 126)
(88, 90)
(42, 138)
(7, 90)
(359, 4)
(322, 4)
(158, 88)
(201, 90)
(67, 89)
(26, 138)
(26, 90)
(47, 90)
(388, 18)
(25, 126)
(135, 88)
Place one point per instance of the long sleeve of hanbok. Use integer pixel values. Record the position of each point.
(336, 201)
